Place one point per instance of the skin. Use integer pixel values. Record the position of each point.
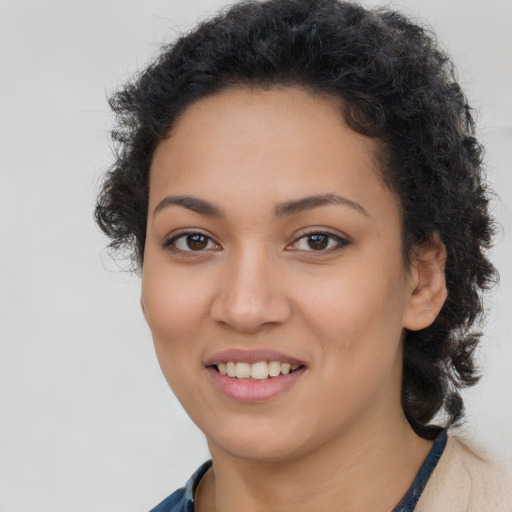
(336, 439)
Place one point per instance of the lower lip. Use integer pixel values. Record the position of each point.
(254, 390)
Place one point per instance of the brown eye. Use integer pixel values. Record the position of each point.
(191, 242)
(197, 242)
(318, 242)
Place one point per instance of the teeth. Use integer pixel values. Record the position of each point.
(243, 370)
(231, 369)
(257, 371)
(285, 368)
(274, 368)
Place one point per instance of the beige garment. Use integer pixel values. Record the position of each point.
(464, 481)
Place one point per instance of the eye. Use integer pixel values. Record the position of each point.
(318, 241)
(191, 242)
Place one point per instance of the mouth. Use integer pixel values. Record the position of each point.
(258, 371)
(254, 375)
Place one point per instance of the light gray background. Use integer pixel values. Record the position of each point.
(87, 421)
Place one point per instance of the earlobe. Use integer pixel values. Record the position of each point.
(428, 285)
(142, 306)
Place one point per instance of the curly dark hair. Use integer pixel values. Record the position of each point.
(398, 88)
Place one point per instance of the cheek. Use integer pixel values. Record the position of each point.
(359, 330)
(172, 314)
(176, 303)
(357, 318)
(352, 302)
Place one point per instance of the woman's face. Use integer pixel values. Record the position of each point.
(272, 239)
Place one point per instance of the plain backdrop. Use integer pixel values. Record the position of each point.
(87, 421)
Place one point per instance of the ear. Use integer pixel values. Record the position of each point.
(142, 306)
(428, 285)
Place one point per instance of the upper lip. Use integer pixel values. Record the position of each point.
(251, 356)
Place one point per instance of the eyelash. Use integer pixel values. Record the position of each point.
(340, 242)
(170, 243)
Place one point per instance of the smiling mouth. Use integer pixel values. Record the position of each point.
(261, 370)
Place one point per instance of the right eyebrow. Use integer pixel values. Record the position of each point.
(190, 203)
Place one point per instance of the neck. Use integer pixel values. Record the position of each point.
(365, 468)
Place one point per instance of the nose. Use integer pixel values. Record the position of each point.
(252, 294)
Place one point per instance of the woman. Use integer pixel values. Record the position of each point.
(300, 185)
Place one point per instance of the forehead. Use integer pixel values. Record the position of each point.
(282, 142)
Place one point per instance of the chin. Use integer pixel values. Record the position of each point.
(276, 443)
(261, 451)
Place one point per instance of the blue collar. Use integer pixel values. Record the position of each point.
(409, 501)
(183, 499)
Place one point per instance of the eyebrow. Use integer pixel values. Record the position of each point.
(308, 203)
(288, 208)
(190, 203)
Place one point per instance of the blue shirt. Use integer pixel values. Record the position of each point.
(182, 500)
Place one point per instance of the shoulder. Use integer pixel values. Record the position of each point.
(176, 502)
(466, 479)
(182, 500)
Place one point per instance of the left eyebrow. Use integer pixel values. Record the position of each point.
(310, 202)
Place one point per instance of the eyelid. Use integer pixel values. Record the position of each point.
(342, 240)
(171, 239)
